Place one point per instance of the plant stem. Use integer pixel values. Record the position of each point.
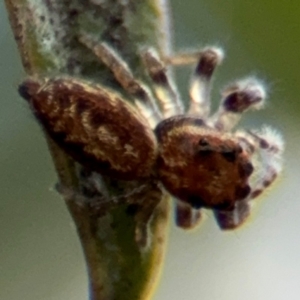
(47, 34)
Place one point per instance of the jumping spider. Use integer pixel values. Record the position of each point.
(195, 157)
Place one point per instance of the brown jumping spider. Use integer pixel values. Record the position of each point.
(195, 157)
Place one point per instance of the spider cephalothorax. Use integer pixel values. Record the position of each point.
(196, 157)
(200, 166)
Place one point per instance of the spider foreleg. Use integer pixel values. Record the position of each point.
(165, 90)
(238, 98)
(182, 58)
(142, 96)
(270, 147)
(141, 203)
(146, 205)
(200, 85)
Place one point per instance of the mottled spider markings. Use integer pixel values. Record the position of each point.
(196, 157)
(94, 125)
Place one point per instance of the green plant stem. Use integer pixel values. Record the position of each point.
(47, 33)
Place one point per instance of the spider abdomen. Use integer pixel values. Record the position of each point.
(199, 166)
(93, 125)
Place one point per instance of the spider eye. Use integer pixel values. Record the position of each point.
(242, 192)
(203, 142)
(204, 148)
(246, 169)
(230, 156)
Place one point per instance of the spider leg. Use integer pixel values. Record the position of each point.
(269, 145)
(165, 90)
(232, 219)
(238, 98)
(141, 202)
(183, 58)
(200, 85)
(142, 96)
(147, 204)
(186, 216)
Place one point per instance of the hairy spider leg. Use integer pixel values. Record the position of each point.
(269, 145)
(238, 98)
(137, 206)
(164, 88)
(142, 96)
(182, 58)
(148, 203)
(232, 219)
(200, 84)
(186, 217)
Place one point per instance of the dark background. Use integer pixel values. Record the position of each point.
(40, 257)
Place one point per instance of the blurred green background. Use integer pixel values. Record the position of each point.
(40, 257)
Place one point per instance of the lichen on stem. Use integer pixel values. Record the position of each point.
(47, 34)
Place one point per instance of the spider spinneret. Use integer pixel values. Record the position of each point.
(197, 157)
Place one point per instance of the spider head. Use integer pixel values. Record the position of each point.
(200, 165)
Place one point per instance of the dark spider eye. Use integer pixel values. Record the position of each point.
(242, 192)
(204, 147)
(230, 156)
(246, 169)
(203, 142)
